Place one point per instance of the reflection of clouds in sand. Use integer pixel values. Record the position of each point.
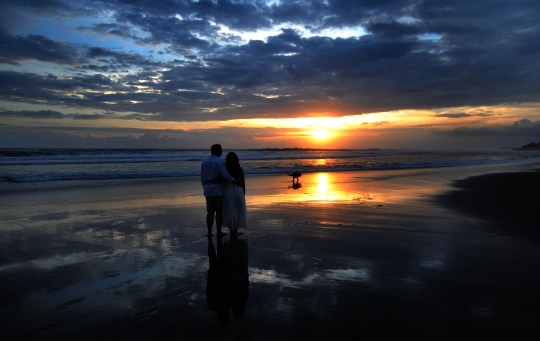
(355, 275)
(52, 222)
(433, 263)
(123, 290)
(347, 269)
(118, 235)
(286, 309)
(271, 276)
(271, 222)
(482, 309)
(141, 224)
(124, 257)
(166, 244)
(16, 223)
(111, 211)
(131, 261)
(131, 237)
(412, 282)
(54, 262)
(156, 237)
(118, 280)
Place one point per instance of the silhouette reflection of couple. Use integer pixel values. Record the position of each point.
(227, 285)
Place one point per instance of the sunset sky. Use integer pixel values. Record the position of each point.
(433, 74)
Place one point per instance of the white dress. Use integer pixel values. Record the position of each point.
(234, 207)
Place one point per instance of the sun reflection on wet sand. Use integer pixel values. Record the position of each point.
(345, 187)
(322, 183)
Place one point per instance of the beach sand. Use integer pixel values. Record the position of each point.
(371, 255)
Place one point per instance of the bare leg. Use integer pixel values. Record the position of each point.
(210, 222)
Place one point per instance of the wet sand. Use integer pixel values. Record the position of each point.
(408, 253)
(509, 200)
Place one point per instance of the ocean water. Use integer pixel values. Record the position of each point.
(30, 168)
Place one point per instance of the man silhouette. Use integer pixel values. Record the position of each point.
(213, 167)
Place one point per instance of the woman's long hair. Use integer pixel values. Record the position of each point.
(233, 164)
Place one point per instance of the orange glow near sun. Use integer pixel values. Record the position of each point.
(317, 129)
(320, 134)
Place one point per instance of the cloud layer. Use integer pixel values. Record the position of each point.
(177, 60)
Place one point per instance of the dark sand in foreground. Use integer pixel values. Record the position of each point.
(368, 255)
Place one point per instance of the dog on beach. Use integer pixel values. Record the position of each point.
(295, 175)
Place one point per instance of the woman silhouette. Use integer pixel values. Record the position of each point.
(234, 201)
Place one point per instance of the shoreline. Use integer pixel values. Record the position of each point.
(368, 254)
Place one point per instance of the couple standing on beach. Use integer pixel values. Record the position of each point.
(224, 189)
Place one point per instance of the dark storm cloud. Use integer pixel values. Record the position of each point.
(89, 117)
(51, 114)
(528, 44)
(26, 138)
(14, 49)
(13, 86)
(178, 34)
(121, 138)
(416, 55)
(100, 92)
(47, 7)
(13, 82)
(523, 129)
(454, 115)
(33, 114)
(523, 123)
(342, 13)
(234, 14)
(120, 59)
(475, 113)
(110, 29)
(309, 13)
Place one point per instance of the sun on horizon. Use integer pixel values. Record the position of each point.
(320, 134)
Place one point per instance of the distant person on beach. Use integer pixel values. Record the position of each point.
(213, 167)
(234, 201)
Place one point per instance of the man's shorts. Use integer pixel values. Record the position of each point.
(214, 204)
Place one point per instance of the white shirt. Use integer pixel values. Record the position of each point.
(211, 168)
